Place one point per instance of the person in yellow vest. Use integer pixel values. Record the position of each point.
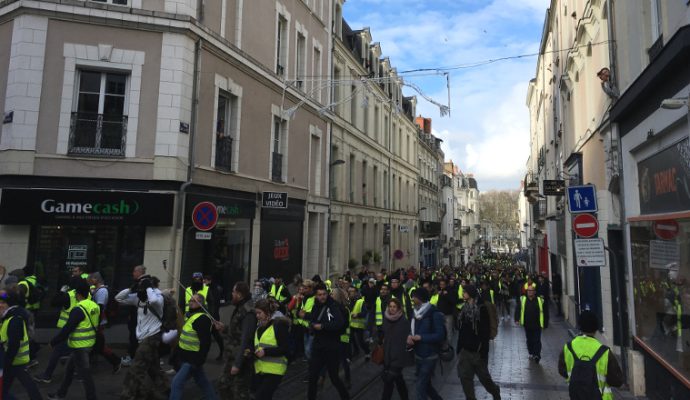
(15, 345)
(197, 286)
(381, 301)
(531, 315)
(271, 347)
(358, 322)
(398, 292)
(67, 299)
(340, 297)
(304, 314)
(587, 347)
(192, 350)
(80, 333)
(280, 292)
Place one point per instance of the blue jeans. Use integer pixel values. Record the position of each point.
(308, 340)
(59, 351)
(177, 386)
(425, 372)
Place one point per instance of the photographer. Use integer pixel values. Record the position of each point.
(144, 377)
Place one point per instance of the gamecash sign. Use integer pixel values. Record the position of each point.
(274, 200)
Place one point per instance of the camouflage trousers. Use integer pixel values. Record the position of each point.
(234, 387)
(144, 379)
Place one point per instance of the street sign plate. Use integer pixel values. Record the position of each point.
(664, 254)
(590, 252)
(203, 235)
(666, 230)
(585, 225)
(554, 187)
(582, 199)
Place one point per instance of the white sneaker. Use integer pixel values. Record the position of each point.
(126, 361)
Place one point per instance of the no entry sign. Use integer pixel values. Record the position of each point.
(666, 230)
(205, 216)
(585, 225)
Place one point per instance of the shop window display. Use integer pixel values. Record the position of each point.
(661, 280)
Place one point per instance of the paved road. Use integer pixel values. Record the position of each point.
(510, 367)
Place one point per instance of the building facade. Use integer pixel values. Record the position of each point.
(471, 235)
(431, 207)
(139, 131)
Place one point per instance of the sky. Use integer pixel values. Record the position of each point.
(487, 133)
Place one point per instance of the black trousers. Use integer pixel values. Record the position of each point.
(325, 357)
(533, 341)
(101, 348)
(19, 373)
(266, 385)
(471, 364)
(394, 378)
(358, 342)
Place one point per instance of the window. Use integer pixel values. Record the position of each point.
(375, 186)
(316, 91)
(351, 182)
(99, 124)
(116, 2)
(386, 185)
(338, 20)
(336, 89)
(281, 46)
(364, 183)
(377, 127)
(365, 124)
(300, 65)
(225, 130)
(278, 160)
(353, 105)
(386, 130)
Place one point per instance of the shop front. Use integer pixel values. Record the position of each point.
(281, 241)
(101, 231)
(660, 255)
(217, 238)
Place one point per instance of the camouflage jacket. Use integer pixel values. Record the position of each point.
(238, 335)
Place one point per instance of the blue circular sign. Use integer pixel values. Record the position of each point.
(205, 216)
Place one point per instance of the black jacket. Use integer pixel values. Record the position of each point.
(281, 327)
(473, 340)
(395, 353)
(203, 327)
(447, 301)
(531, 313)
(333, 323)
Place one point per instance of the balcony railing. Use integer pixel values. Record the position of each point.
(94, 134)
(277, 167)
(224, 153)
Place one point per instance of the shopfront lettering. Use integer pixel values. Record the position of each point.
(665, 181)
(281, 250)
(50, 206)
(228, 210)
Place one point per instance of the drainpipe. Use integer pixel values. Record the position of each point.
(181, 195)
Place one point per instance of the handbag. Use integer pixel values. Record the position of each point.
(377, 355)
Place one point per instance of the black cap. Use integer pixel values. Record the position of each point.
(422, 294)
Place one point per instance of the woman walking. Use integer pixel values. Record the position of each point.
(396, 328)
(271, 346)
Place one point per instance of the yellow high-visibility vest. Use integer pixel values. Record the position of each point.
(306, 305)
(277, 293)
(540, 301)
(189, 339)
(188, 296)
(585, 347)
(359, 322)
(84, 336)
(269, 365)
(22, 356)
(64, 313)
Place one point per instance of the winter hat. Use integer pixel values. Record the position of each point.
(471, 291)
(422, 294)
(589, 322)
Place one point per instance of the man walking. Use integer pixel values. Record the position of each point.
(473, 345)
(193, 347)
(15, 344)
(235, 381)
(586, 347)
(531, 314)
(427, 333)
(101, 296)
(80, 333)
(144, 378)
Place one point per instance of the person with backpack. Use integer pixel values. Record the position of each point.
(488, 299)
(15, 346)
(101, 297)
(80, 334)
(473, 345)
(427, 333)
(531, 314)
(145, 378)
(192, 349)
(588, 366)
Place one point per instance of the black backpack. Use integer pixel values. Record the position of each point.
(171, 312)
(584, 383)
(36, 292)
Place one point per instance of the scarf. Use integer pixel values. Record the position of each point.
(469, 313)
(393, 317)
(419, 314)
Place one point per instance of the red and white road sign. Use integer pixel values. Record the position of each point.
(666, 230)
(585, 225)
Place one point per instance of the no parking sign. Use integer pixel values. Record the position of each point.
(205, 216)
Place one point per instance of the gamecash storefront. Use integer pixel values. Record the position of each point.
(103, 231)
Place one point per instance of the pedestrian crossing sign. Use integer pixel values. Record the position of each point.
(582, 199)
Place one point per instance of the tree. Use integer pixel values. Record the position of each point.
(500, 209)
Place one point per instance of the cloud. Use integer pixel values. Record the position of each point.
(488, 131)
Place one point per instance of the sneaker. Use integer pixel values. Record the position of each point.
(536, 359)
(117, 367)
(42, 378)
(126, 361)
(31, 364)
(55, 396)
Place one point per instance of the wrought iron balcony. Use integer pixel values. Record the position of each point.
(224, 153)
(100, 135)
(277, 167)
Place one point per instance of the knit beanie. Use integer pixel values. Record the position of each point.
(422, 294)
